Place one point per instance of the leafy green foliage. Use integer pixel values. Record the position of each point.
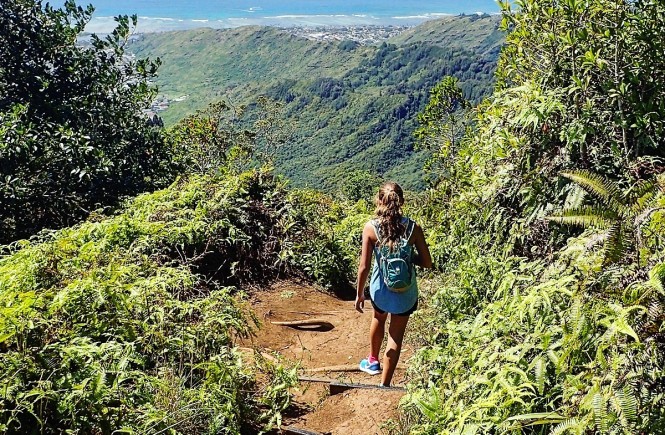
(359, 185)
(211, 139)
(321, 250)
(443, 123)
(72, 136)
(621, 216)
(597, 61)
(529, 328)
(127, 323)
(225, 137)
(539, 353)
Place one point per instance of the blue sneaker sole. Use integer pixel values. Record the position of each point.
(369, 371)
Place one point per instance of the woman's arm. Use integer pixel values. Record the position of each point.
(365, 261)
(424, 258)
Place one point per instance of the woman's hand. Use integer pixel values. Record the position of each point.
(360, 302)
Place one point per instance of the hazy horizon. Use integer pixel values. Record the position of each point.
(157, 15)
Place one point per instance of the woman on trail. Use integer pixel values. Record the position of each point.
(393, 289)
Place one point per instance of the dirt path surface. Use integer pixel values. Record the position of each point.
(326, 353)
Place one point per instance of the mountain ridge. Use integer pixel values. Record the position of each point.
(353, 106)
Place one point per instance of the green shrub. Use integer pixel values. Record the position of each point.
(127, 323)
(72, 133)
(534, 328)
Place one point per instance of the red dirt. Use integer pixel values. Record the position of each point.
(357, 411)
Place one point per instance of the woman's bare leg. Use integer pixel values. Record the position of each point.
(377, 329)
(394, 347)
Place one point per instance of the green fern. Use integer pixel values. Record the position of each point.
(617, 243)
(620, 215)
(540, 373)
(657, 278)
(586, 216)
(627, 403)
(600, 412)
(570, 426)
(641, 191)
(597, 185)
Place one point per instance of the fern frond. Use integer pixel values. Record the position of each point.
(657, 278)
(540, 373)
(600, 412)
(534, 419)
(598, 186)
(617, 244)
(566, 426)
(641, 191)
(549, 416)
(586, 217)
(643, 203)
(654, 311)
(627, 403)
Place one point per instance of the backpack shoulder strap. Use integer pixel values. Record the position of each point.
(377, 230)
(410, 226)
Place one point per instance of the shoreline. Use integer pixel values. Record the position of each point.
(106, 24)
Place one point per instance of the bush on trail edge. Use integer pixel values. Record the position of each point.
(534, 327)
(126, 323)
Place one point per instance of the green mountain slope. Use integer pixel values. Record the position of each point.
(460, 32)
(353, 107)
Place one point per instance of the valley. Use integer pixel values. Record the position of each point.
(352, 106)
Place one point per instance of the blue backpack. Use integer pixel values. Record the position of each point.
(396, 266)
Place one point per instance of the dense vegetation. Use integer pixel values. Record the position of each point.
(538, 327)
(349, 106)
(127, 322)
(73, 137)
(546, 221)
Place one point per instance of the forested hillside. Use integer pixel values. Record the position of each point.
(350, 107)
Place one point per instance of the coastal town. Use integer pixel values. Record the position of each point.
(361, 34)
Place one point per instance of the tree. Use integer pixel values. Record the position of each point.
(576, 89)
(206, 141)
(225, 136)
(443, 124)
(603, 59)
(534, 333)
(359, 184)
(72, 133)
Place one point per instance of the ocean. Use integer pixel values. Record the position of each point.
(157, 15)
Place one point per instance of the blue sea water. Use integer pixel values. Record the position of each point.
(171, 14)
(221, 9)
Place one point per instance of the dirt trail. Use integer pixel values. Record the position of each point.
(355, 411)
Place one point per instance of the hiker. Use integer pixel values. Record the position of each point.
(392, 289)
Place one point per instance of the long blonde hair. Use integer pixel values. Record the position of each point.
(389, 203)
